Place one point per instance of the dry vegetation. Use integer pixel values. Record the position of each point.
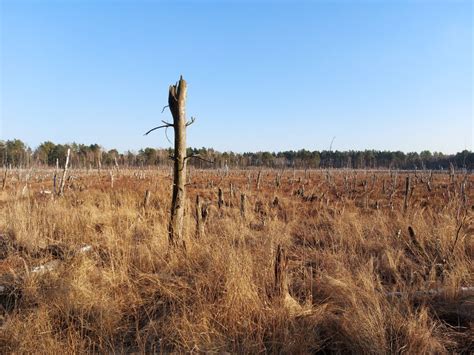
(91, 271)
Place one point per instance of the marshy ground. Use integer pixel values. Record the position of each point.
(371, 267)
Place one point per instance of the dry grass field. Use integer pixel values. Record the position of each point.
(369, 269)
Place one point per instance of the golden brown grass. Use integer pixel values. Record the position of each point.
(131, 293)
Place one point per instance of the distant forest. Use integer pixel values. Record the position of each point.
(15, 153)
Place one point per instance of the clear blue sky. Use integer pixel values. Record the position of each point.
(262, 75)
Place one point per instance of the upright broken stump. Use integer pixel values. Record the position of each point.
(201, 217)
(407, 194)
(4, 182)
(281, 272)
(177, 106)
(259, 176)
(146, 200)
(281, 292)
(242, 205)
(220, 198)
(63, 179)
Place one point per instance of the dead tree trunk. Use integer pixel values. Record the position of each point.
(201, 216)
(258, 179)
(111, 179)
(177, 106)
(452, 173)
(407, 194)
(146, 200)
(242, 205)
(220, 198)
(278, 180)
(63, 179)
(5, 175)
(281, 272)
(55, 177)
(99, 164)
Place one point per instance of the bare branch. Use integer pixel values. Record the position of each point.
(457, 233)
(166, 135)
(167, 123)
(198, 157)
(332, 141)
(189, 123)
(153, 129)
(165, 108)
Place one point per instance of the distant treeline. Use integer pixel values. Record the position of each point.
(16, 153)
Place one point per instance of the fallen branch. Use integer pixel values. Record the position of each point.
(461, 292)
(459, 309)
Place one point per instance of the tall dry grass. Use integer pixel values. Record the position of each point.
(357, 274)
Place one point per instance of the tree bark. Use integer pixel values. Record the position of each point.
(177, 105)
